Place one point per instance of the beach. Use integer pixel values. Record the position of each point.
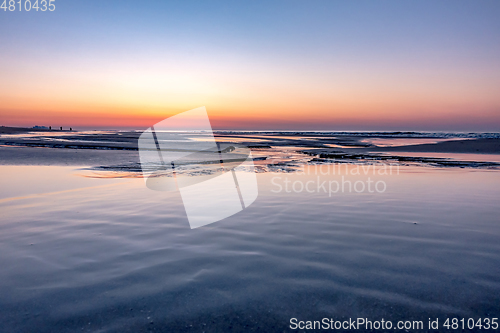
(249, 166)
(86, 246)
(119, 148)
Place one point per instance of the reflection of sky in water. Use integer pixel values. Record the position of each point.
(390, 142)
(332, 145)
(281, 149)
(22, 180)
(265, 138)
(237, 139)
(74, 251)
(452, 156)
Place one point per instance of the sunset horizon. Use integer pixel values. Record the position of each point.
(236, 122)
(408, 66)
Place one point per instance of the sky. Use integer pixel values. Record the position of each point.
(256, 65)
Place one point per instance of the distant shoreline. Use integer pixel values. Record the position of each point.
(20, 130)
(320, 133)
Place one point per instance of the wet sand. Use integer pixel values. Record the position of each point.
(82, 254)
(118, 149)
(11, 155)
(471, 146)
(83, 249)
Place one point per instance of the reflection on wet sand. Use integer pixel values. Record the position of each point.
(116, 151)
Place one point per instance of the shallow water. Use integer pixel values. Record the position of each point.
(111, 255)
(451, 156)
(392, 142)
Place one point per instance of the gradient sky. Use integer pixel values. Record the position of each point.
(310, 65)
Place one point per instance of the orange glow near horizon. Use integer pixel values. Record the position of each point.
(248, 95)
(336, 66)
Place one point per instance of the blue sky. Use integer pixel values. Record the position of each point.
(331, 58)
